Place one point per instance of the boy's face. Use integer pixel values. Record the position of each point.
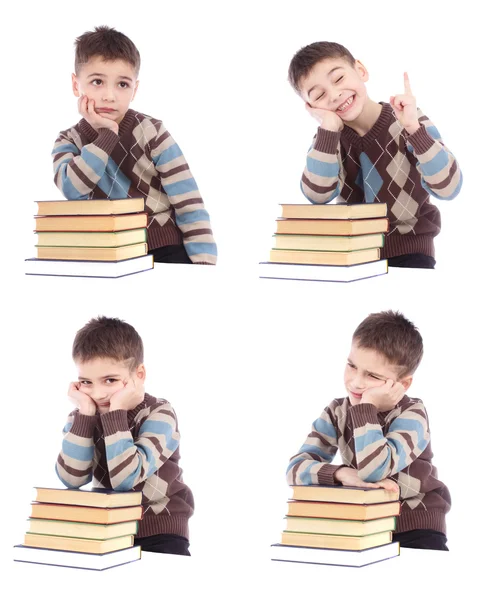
(100, 378)
(334, 85)
(111, 84)
(366, 369)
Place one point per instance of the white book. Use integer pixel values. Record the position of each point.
(87, 268)
(78, 560)
(270, 270)
(324, 556)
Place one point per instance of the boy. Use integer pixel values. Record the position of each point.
(122, 438)
(374, 152)
(117, 152)
(382, 434)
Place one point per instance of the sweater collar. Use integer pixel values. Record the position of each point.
(382, 122)
(124, 127)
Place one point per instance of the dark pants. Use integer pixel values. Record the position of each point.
(412, 261)
(426, 539)
(171, 254)
(164, 543)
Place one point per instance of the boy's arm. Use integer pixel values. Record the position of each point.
(310, 466)
(380, 456)
(321, 178)
(77, 172)
(179, 184)
(75, 462)
(437, 166)
(130, 461)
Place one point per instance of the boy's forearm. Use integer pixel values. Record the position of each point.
(75, 461)
(320, 179)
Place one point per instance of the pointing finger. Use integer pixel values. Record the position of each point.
(407, 85)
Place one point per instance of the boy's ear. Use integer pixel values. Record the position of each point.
(362, 71)
(135, 90)
(406, 382)
(140, 372)
(75, 86)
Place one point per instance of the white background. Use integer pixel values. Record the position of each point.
(247, 364)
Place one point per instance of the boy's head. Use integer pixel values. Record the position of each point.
(107, 353)
(107, 65)
(327, 76)
(384, 346)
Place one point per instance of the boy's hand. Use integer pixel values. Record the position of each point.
(349, 477)
(86, 108)
(405, 109)
(326, 118)
(84, 402)
(384, 397)
(129, 396)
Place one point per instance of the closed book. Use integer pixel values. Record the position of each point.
(95, 497)
(77, 560)
(90, 207)
(106, 254)
(334, 211)
(328, 243)
(84, 268)
(341, 493)
(91, 223)
(316, 257)
(78, 544)
(331, 273)
(90, 531)
(89, 239)
(339, 526)
(332, 227)
(342, 558)
(339, 542)
(331, 510)
(85, 514)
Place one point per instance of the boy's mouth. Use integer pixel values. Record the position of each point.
(106, 110)
(342, 110)
(356, 396)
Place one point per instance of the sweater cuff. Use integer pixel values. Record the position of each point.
(106, 140)
(325, 476)
(420, 140)
(115, 421)
(83, 425)
(361, 414)
(327, 141)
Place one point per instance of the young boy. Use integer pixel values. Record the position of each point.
(117, 152)
(382, 434)
(374, 152)
(122, 438)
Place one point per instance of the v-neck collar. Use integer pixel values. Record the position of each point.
(363, 140)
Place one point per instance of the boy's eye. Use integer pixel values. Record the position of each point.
(374, 376)
(124, 85)
(338, 80)
(111, 380)
(96, 82)
(351, 366)
(319, 97)
(84, 382)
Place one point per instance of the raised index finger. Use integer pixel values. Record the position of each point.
(407, 85)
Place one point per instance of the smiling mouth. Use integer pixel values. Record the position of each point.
(344, 107)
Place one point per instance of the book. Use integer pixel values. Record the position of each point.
(341, 493)
(339, 526)
(105, 254)
(91, 223)
(340, 274)
(339, 542)
(78, 268)
(78, 544)
(334, 211)
(328, 243)
(344, 558)
(95, 497)
(90, 531)
(79, 560)
(355, 512)
(317, 257)
(89, 239)
(332, 227)
(85, 514)
(90, 207)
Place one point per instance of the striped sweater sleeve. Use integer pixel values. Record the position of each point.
(440, 173)
(78, 171)
(181, 188)
(131, 461)
(75, 462)
(321, 179)
(380, 456)
(310, 466)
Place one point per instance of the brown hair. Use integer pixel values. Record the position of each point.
(108, 338)
(109, 44)
(390, 334)
(306, 58)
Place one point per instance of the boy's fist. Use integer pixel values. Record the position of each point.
(326, 118)
(85, 403)
(129, 396)
(384, 397)
(405, 109)
(349, 477)
(86, 108)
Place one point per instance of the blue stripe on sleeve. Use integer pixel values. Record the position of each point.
(160, 428)
(436, 164)
(193, 216)
(93, 161)
(66, 148)
(324, 427)
(77, 452)
(67, 427)
(117, 448)
(321, 168)
(167, 155)
(68, 189)
(193, 248)
(437, 195)
(316, 450)
(181, 187)
(306, 476)
(294, 462)
(364, 440)
(401, 424)
(433, 132)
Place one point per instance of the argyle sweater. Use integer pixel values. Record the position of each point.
(395, 444)
(131, 450)
(142, 161)
(387, 165)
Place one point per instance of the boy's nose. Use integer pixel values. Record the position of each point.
(108, 95)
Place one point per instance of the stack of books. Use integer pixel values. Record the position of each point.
(328, 242)
(90, 238)
(337, 525)
(91, 529)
